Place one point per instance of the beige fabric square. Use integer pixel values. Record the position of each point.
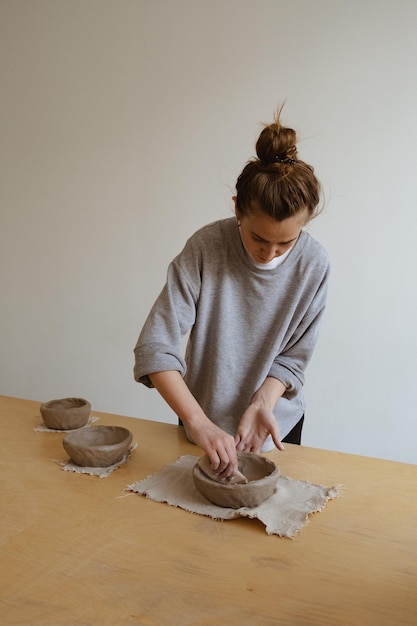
(283, 514)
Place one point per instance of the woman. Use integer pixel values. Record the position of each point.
(251, 290)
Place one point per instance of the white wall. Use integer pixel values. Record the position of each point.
(124, 126)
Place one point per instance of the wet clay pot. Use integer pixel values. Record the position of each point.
(98, 446)
(262, 475)
(65, 414)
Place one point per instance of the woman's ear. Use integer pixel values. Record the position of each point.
(234, 198)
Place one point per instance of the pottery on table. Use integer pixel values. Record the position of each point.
(65, 414)
(98, 446)
(262, 475)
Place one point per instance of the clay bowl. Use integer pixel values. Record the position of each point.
(65, 414)
(98, 446)
(262, 475)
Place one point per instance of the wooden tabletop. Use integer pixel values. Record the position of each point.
(79, 550)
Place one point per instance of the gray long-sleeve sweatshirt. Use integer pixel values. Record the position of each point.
(245, 323)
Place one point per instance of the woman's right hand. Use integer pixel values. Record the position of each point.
(217, 444)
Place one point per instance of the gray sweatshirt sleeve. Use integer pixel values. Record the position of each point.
(159, 347)
(290, 364)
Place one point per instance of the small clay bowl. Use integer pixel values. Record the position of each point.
(65, 414)
(98, 446)
(262, 475)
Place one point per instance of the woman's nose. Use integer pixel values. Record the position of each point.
(269, 253)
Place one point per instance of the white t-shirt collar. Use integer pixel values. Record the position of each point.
(267, 266)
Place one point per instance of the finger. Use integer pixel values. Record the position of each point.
(225, 456)
(214, 459)
(241, 441)
(232, 466)
(224, 476)
(229, 472)
(277, 441)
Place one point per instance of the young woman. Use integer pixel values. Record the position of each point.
(251, 290)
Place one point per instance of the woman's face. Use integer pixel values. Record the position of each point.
(265, 238)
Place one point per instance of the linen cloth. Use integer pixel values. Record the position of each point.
(283, 514)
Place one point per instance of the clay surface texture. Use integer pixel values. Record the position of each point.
(98, 446)
(65, 414)
(262, 476)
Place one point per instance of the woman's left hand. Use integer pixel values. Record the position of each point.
(258, 421)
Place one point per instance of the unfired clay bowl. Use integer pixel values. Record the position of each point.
(98, 446)
(65, 414)
(262, 475)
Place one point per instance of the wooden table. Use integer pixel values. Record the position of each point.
(79, 550)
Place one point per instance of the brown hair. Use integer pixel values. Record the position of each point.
(277, 181)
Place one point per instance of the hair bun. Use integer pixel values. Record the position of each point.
(276, 182)
(276, 143)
